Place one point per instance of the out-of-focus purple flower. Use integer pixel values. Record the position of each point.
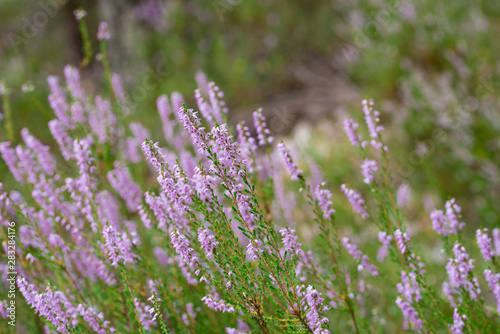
(459, 271)
(292, 167)
(383, 251)
(165, 113)
(401, 240)
(496, 241)
(323, 197)
(290, 240)
(351, 248)
(356, 201)
(45, 159)
(358, 255)
(368, 169)
(62, 138)
(207, 241)
(122, 182)
(484, 243)
(263, 133)
(446, 223)
(458, 323)
(79, 14)
(409, 313)
(350, 128)
(371, 119)
(403, 195)
(246, 142)
(58, 102)
(218, 304)
(145, 315)
(10, 158)
(493, 283)
(254, 249)
(118, 246)
(73, 82)
(103, 31)
(116, 85)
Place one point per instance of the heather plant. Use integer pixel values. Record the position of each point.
(222, 228)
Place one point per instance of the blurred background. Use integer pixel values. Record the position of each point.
(432, 68)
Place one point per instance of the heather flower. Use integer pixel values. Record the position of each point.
(10, 158)
(458, 323)
(383, 251)
(292, 167)
(403, 195)
(218, 304)
(181, 246)
(207, 241)
(364, 263)
(118, 91)
(134, 142)
(45, 159)
(446, 223)
(73, 82)
(409, 313)
(323, 197)
(494, 285)
(350, 128)
(103, 32)
(254, 250)
(145, 317)
(356, 201)
(459, 270)
(53, 306)
(118, 246)
(402, 240)
(368, 169)
(62, 138)
(485, 245)
(312, 303)
(263, 133)
(122, 182)
(192, 124)
(58, 102)
(371, 119)
(496, 241)
(247, 144)
(290, 240)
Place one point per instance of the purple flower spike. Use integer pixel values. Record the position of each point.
(292, 167)
(218, 304)
(368, 169)
(485, 245)
(356, 201)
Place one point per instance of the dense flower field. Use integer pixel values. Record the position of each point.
(212, 228)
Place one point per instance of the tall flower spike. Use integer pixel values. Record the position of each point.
(459, 269)
(356, 201)
(292, 167)
(350, 128)
(410, 294)
(207, 241)
(118, 246)
(484, 243)
(401, 240)
(290, 241)
(368, 169)
(218, 304)
(447, 222)
(371, 119)
(458, 323)
(263, 133)
(323, 197)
